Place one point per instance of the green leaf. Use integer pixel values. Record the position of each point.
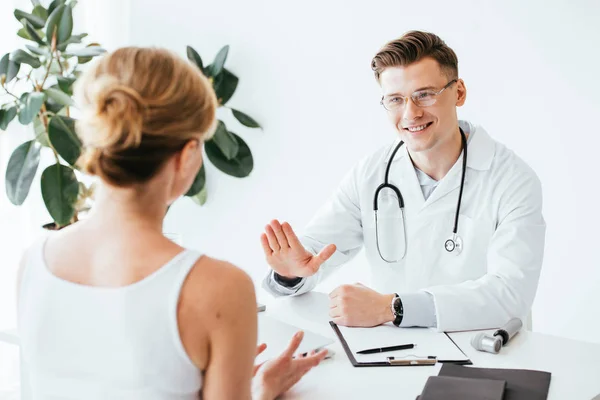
(13, 70)
(59, 191)
(54, 21)
(54, 5)
(53, 107)
(66, 84)
(245, 119)
(22, 57)
(199, 183)
(39, 130)
(32, 103)
(74, 39)
(36, 50)
(194, 57)
(6, 117)
(32, 33)
(61, 132)
(86, 52)
(23, 33)
(60, 97)
(36, 21)
(4, 64)
(40, 11)
(201, 197)
(65, 26)
(225, 85)
(240, 166)
(21, 169)
(217, 65)
(35, 2)
(225, 141)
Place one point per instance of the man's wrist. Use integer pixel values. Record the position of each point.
(387, 312)
(397, 309)
(286, 281)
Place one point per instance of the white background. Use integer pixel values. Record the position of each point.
(531, 69)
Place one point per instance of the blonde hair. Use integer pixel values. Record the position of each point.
(412, 47)
(139, 107)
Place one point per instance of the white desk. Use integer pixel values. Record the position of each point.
(574, 365)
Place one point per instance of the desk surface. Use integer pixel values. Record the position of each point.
(574, 366)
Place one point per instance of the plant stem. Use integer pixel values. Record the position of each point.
(7, 92)
(62, 71)
(41, 87)
(44, 116)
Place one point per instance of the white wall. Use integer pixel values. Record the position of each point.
(531, 70)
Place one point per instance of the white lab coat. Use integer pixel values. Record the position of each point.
(493, 279)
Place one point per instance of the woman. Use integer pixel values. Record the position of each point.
(108, 307)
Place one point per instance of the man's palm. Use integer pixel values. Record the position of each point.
(286, 255)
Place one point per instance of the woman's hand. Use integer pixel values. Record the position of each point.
(278, 375)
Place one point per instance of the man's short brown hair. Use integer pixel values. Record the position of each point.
(412, 47)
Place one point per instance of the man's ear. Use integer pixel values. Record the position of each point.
(461, 92)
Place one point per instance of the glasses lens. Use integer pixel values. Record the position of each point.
(393, 103)
(424, 99)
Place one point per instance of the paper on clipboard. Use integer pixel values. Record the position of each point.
(428, 342)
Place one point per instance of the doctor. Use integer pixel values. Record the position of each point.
(450, 219)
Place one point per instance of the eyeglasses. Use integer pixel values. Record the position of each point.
(421, 98)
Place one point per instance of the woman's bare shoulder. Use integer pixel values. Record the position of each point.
(216, 286)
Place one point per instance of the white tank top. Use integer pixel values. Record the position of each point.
(85, 342)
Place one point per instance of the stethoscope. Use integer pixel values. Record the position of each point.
(452, 245)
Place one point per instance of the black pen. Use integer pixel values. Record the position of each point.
(390, 348)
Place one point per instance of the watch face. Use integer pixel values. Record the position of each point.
(398, 309)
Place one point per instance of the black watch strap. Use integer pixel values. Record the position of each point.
(398, 310)
(287, 282)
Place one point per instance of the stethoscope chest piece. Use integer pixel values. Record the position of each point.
(454, 244)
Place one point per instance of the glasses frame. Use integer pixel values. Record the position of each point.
(412, 97)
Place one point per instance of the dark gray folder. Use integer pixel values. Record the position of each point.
(521, 384)
(452, 388)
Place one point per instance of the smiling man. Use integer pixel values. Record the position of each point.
(450, 219)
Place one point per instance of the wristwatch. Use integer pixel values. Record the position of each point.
(397, 309)
(287, 282)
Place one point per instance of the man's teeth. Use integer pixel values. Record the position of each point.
(417, 128)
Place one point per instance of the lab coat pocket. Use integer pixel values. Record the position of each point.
(471, 262)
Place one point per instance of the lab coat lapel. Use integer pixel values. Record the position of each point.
(449, 183)
(409, 183)
(481, 150)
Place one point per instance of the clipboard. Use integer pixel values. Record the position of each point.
(391, 361)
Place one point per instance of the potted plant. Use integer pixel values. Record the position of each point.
(37, 83)
(36, 89)
(225, 150)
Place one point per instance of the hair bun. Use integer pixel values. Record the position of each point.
(116, 117)
(139, 107)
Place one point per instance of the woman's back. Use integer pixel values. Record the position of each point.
(110, 341)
